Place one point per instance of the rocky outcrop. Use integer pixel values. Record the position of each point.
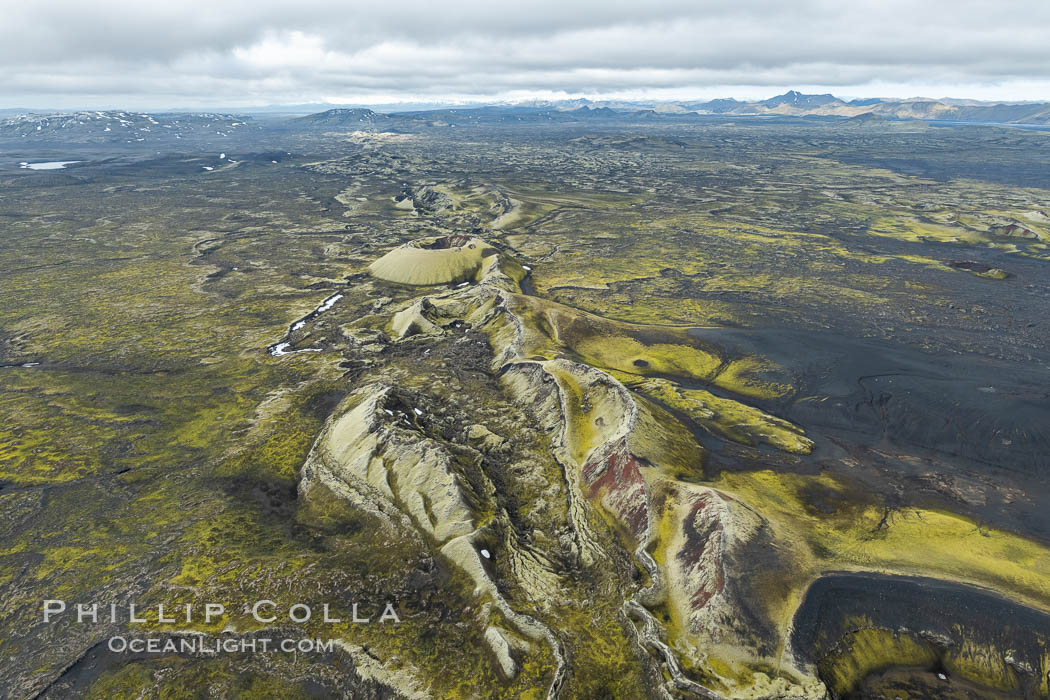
(430, 199)
(376, 452)
(622, 453)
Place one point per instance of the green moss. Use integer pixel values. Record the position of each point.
(868, 650)
(982, 664)
(173, 678)
(724, 417)
(602, 651)
(628, 354)
(749, 376)
(862, 535)
(871, 649)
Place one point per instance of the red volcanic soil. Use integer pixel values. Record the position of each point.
(701, 533)
(619, 477)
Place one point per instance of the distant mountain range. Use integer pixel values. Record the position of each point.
(130, 127)
(133, 127)
(794, 103)
(790, 104)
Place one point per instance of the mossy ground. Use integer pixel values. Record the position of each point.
(154, 451)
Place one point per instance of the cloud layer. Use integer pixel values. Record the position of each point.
(234, 52)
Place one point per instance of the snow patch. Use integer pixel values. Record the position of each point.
(51, 165)
(281, 349)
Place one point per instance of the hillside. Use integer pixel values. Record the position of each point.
(340, 118)
(116, 127)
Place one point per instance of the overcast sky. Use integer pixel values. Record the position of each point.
(205, 53)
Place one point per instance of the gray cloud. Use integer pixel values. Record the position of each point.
(68, 53)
